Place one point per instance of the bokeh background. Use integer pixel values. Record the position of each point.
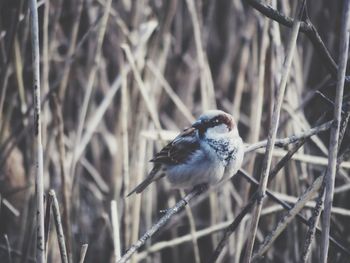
(121, 78)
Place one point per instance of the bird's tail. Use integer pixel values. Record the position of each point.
(153, 176)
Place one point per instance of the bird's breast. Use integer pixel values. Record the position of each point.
(226, 149)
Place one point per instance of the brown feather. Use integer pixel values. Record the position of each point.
(179, 150)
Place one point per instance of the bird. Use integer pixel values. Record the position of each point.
(203, 154)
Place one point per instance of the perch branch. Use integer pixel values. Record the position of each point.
(178, 207)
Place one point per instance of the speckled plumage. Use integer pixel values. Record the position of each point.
(203, 154)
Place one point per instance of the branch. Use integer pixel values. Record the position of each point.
(172, 211)
(291, 139)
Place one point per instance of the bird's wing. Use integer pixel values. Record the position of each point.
(176, 152)
(180, 149)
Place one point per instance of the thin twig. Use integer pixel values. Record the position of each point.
(334, 138)
(273, 131)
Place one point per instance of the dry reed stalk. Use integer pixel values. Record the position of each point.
(313, 222)
(65, 182)
(172, 95)
(47, 223)
(206, 82)
(136, 208)
(273, 131)
(299, 217)
(72, 46)
(39, 172)
(288, 217)
(45, 74)
(115, 226)
(59, 228)
(90, 85)
(125, 107)
(150, 232)
(19, 78)
(83, 251)
(199, 233)
(98, 115)
(141, 86)
(305, 27)
(9, 206)
(6, 68)
(192, 230)
(311, 159)
(334, 137)
(273, 172)
(8, 248)
(125, 151)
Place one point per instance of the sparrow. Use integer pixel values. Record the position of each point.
(205, 153)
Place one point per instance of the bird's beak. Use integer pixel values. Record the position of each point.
(197, 124)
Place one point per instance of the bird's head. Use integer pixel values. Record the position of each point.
(215, 122)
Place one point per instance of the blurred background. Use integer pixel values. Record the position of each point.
(121, 78)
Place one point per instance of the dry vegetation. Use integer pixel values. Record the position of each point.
(118, 79)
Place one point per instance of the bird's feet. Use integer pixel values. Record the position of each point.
(164, 211)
